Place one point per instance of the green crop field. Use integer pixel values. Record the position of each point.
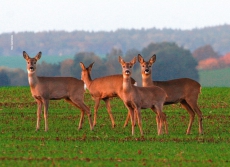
(64, 145)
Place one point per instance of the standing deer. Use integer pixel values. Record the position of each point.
(102, 88)
(137, 98)
(44, 89)
(183, 90)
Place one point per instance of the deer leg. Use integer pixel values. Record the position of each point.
(200, 118)
(131, 113)
(84, 109)
(135, 118)
(82, 113)
(107, 102)
(46, 106)
(97, 102)
(138, 114)
(191, 114)
(162, 119)
(165, 123)
(127, 120)
(81, 120)
(160, 124)
(39, 111)
(193, 105)
(157, 118)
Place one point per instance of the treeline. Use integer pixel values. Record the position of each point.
(208, 59)
(172, 62)
(101, 42)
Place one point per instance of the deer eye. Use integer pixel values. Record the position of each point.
(130, 66)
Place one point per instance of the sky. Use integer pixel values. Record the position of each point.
(110, 15)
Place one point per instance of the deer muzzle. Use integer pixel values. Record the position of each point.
(146, 71)
(127, 72)
(31, 68)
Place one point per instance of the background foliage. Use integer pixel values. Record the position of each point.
(172, 62)
(68, 43)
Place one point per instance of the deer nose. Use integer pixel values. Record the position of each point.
(127, 72)
(31, 68)
(146, 71)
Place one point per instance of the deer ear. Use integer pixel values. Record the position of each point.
(140, 58)
(121, 61)
(38, 56)
(25, 55)
(91, 66)
(134, 60)
(82, 66)
(152, 59)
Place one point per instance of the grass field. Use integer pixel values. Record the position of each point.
(64, 145)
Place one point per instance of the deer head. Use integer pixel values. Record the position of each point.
(86, 71)
(31, 62)
(126, 67)
(146, 66)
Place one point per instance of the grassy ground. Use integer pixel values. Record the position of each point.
(64, 145)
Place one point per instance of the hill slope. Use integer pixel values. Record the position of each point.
(218, 78)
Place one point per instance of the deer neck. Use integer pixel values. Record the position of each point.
(127, 85)
(146, 80)
(33, 79)
(87, 80)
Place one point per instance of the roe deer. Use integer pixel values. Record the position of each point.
(183, 90)
(102, 88)
(44, 89)
(137, 98)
